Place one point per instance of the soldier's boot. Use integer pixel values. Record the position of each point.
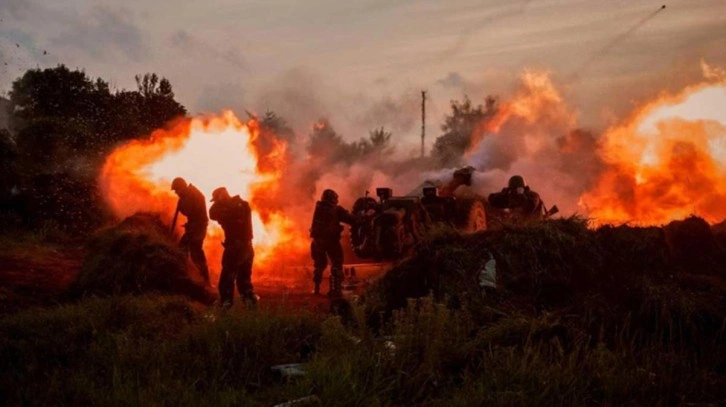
(331, 285)
(250, 298)
(317, 278)
(204, 271)
(336, 283)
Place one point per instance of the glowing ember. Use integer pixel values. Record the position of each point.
(667, 162)
(209, 153)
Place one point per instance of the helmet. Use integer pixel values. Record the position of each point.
(517, 181)
(330, 197)
(219, 193)
(178, 184)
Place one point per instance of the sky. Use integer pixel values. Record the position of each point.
(363, 64)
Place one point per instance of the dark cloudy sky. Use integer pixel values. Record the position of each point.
(363, 62)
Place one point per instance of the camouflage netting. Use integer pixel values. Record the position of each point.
(137, 256)
(607, 276)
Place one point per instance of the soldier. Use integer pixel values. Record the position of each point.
(519, 199)
(193, 205)
(325, 232)
(235, 217)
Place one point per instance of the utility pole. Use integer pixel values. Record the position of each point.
(423, 121)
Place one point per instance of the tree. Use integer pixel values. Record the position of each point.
(278, 125)
(157, 102)
(8, 167)
(327, 145)
(65, 123)
(378, 142)
(458, 128)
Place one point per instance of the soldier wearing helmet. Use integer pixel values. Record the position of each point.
(518, 198)
(325, 232)
(192, 204)
(235, 216)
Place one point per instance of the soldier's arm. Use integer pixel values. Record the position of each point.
(498, 199)
(215, 212)
(345, 216)
(247, 212)
(534, 201)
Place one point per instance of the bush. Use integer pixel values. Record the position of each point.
(136, 256)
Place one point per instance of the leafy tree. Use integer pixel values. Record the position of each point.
(378, 142)
(458, 128)
(8, 164)
(65, 123)
(157, 101)
(277, 125)
(327, 145)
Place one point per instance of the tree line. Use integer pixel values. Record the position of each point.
(61, 124)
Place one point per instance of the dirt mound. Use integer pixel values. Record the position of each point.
(136, 256)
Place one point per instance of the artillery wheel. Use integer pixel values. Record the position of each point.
(472, 216)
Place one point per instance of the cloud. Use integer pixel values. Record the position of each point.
(219, 96)
(452, 80)
(401, 115)
(103, 31)
(301, 97)
(16, 9)
(182, 40)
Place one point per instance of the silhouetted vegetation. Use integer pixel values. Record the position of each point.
(579, 317)
(137, 256)
(326, 145)
(458, 129)
(63, 124)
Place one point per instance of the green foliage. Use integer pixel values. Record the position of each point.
(145, 351)
(153, 350)
(459, 128)
(621, 284)
(8, 165)
(580, 317)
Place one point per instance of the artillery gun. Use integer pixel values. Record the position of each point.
(389, 227)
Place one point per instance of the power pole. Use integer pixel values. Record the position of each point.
(423, 121)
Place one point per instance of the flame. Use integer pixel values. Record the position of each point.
(537, 101)
(666, 161)
(208, 152)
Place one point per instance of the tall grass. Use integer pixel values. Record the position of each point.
(579, 317)
(156, 350)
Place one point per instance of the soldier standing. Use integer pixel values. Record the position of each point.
(193, 205)
(235, 217)
(325, 233)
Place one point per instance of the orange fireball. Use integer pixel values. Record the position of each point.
(208, 152)
(668, 161)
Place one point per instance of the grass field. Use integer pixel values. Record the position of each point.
(579, 317)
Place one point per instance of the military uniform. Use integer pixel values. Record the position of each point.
(235, 217)
(192, 205)
(528, 203)
(325, 232)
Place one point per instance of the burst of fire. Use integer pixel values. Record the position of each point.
(666, 162)
(208, 152)
(536, 102)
